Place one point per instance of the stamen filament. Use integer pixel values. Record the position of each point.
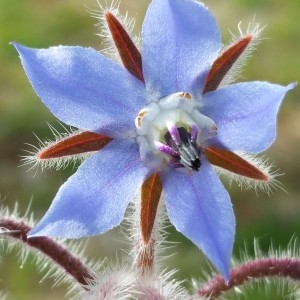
(187, 153)
(174, 133)
(165, 149)
(194, 133)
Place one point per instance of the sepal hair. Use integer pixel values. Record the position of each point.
(33, 157)
(247, 183)
(254, 30)
(108, 47)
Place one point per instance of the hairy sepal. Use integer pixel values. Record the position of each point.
(104, 30)
(224, 62)
(226, 67)
(253, 30)
(70, 146)
(151, 193)
(129, 54)
(247, 170)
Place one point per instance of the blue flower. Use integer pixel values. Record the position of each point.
(173, 120)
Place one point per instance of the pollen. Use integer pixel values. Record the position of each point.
(214, 127)
(140, 116)
(185, 96)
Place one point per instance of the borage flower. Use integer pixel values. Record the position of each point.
(162, 122)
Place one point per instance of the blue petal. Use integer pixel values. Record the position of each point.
(246, 114)
(199, 206)
(95, 198)
(84, 89)
(180, 42)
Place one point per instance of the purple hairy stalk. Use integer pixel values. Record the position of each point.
(49, 247)
(261, 268)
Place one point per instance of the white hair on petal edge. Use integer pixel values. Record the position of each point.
(248, 183)
(104, 32)
(255, 30)
(31, 158)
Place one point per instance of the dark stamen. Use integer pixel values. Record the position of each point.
(188, 155)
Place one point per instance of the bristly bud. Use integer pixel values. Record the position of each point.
(113, 283)
(161, 287)
(122, 283)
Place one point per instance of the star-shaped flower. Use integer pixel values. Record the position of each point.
(161, 123)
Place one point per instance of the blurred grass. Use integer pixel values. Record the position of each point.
(44, 23)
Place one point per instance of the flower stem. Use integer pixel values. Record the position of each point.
(49, 247)
(261, 268)
(145, 258)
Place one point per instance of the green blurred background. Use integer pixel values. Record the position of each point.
(43, 23)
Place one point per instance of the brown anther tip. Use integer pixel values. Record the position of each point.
(185, 96)
(214, 127)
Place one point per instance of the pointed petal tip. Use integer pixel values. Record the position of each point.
(17, 46)
(208, 221)
(66, 229)
(35, 232)
(292, 85)
(226, 274)
(223, 266)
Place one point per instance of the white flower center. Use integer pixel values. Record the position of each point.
(173, 132)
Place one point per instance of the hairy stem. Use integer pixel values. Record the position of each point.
(145, 257)
(261, 268)
(49, 247)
